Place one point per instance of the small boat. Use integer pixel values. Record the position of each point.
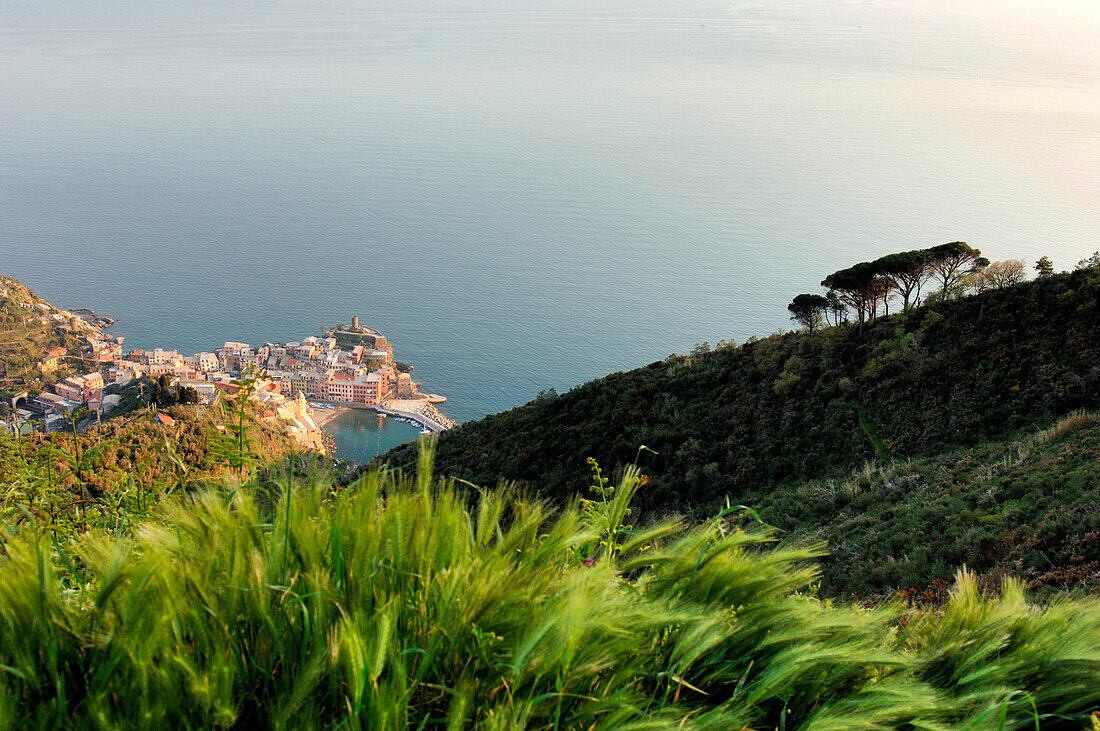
(425, 430)
(381, 415)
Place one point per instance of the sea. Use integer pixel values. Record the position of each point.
(526, 194)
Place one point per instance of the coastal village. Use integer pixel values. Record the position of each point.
(299, 384)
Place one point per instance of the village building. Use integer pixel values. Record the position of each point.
(367, 389)
(52, 361)
(92, 381)
(71, 389)
(230, 355)
(158, 356)
(203, 362)
(52, 403)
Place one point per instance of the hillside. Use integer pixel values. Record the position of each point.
(27, 335)
(1024, 507)
(164, 572)
(793, 407)
(756, 423)
(117, 473)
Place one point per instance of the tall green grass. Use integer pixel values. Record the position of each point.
(405, 602)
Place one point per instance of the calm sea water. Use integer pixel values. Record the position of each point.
(360, 435)
(524, 194)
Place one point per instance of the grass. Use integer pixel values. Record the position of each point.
(404, 601)
(1022, 506)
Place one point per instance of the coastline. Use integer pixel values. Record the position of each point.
(362, 440)
(403, 409)
(337, 380)
(324, 416)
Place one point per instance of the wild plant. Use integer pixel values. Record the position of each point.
(401, 602)
(238, 452)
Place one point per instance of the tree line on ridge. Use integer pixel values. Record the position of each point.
(865, 290)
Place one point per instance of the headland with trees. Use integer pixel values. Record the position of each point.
(866, 289)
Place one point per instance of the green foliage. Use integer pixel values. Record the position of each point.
(606, 515)
(760, 422)
(546, 394)
(953, 260)
(235, 448)
(980, 650)
(160, 392)
(789, 377)
(1044, 267)
(929, 379)
(867, 285)
(1090, 262)
(907, 272)
(808, 310)
(856, 287)
(1021, 507)
(402, 602)
(63, 484)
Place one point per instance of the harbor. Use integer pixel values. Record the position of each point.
(326, 411)
(306, 385)
(361, 435)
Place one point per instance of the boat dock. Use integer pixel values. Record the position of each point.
(426, 421)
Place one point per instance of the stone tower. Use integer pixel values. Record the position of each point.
(355, 322)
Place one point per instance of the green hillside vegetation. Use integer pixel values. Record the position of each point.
(116, 473)
(753, 422)
(796, 406)
(24, 340)
(1023, 507)
(112, 474)
(396, 603)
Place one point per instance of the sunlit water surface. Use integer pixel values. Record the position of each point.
(526, 194)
